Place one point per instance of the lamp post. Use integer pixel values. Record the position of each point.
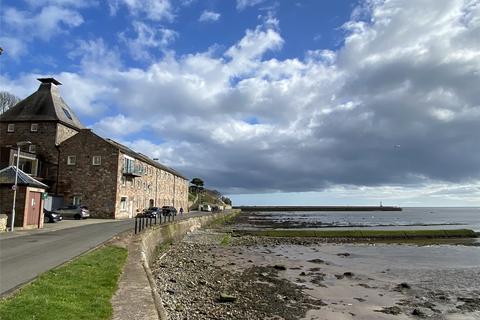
(19, 145)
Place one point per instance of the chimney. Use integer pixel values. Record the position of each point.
(49, 84)
(50, 80)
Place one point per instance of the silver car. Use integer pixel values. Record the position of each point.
(73, 211)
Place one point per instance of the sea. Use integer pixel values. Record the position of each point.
(408, 218)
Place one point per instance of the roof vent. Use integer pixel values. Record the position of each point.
(50, 80)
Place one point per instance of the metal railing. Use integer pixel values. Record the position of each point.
(141, 223)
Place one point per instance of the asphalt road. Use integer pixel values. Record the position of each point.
(24, 258)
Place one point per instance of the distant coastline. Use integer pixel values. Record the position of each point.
(318, 208)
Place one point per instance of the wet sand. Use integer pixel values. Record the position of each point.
(309, 279)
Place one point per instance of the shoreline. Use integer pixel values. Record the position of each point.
(307, 278)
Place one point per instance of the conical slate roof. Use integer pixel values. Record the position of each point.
(45, 104)
(7, 176)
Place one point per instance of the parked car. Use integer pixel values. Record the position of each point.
(51, 217)
(169, 211)
(73, 211)
(152, 212)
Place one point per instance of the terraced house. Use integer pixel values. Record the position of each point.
(81, 167)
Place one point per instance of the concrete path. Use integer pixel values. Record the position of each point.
(25, 256)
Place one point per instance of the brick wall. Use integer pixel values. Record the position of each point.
(95, 184)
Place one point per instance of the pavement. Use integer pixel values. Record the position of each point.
(25, 254)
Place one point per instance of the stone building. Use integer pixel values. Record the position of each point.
(45, 120)
(115, 181)
(80, 166)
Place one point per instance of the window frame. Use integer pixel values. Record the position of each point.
(32, 126)
(32, 146)
(124, 204)
(99, 162)
(11, 127)
(71, 163)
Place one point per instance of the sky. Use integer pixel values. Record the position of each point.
(270, 102)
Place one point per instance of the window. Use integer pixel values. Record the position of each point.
(67, 114)
(32, 148)
(34, 127)
(71, 160)
(123, 203)
(11, 127)
(96, 160)
(77, 200)
(124, 181)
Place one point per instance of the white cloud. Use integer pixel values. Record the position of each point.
(208, 16)
(242, 4)
(147, 38)
(155, 10)
(20, 28)
(409, 76)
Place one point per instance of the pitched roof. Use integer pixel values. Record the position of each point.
(143, 157)
(7, 176)
(45, 104)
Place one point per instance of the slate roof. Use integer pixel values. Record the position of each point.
(7, 176)
(45, 104)
(143, 157)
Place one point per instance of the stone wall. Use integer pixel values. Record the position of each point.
(6, 203)
(153, 187)
(63, 133)
(3, 222)
(45, 139)
(95, 185)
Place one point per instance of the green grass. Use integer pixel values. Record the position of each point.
(365, 234)
(81, 289)
(227, 238)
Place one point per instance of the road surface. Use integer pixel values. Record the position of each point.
(24, 258)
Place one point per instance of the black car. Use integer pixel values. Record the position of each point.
(51, 217)
(152, 212)
(169, 211)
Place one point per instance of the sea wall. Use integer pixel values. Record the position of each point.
(173, 232)
(317, 208)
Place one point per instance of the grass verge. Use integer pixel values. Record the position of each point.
(81, 289)
(364, 234)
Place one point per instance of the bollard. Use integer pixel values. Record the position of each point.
(150, 222)
(136, 225)
(155, 219)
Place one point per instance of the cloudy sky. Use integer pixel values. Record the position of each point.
(271, 102)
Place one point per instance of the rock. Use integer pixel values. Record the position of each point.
(280, 267)
(339, 276)
(360, 299)
(224, 297)
(319, 261)
(404, 285)
(343, 254)
(348, 274)
(418, 312)
(390, 310)
(303, 274)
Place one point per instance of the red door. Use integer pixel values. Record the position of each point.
(33, 209)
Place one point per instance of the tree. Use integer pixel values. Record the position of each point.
(227, 200)
(197, 182)
(7, 100)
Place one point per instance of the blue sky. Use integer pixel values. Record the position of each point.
(271, 102)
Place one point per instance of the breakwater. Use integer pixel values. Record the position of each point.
(317, 208)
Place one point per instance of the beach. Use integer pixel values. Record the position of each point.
(211, 274)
